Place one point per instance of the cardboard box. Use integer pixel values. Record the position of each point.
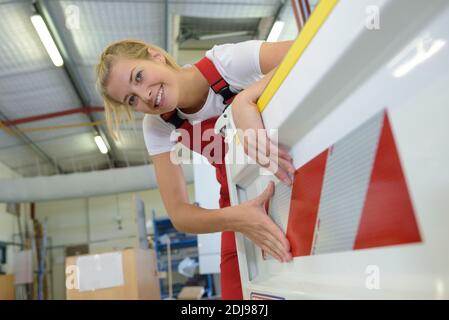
(191, 293)
(7, 287)
(139, 278)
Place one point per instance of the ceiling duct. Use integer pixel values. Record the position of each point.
(82, 185)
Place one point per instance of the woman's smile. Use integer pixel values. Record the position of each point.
(159, 97)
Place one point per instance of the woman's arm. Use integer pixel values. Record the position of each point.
(249, 218)
(247, 117)
(272, 53)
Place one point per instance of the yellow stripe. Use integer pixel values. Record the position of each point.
(306, 36)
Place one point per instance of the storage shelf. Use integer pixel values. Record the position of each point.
(179, 242)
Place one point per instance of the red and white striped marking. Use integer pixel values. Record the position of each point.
(352, 196)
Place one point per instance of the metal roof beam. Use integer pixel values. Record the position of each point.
(29, 143)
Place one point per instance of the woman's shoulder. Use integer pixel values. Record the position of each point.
(238, 62)
(154, 124)
(234, 48)
(157, 134)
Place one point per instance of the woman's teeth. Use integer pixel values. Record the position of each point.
(159, 96)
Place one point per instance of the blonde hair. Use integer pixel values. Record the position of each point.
(128, 49)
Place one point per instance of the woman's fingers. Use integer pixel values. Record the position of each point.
(285, 171)
(266, 194)
(272, 253)
(278, 238)
(280, 245)
(272, 157)
(262, 230)
(269, 244)
(287, 165)
(284, 153)
(274, 234)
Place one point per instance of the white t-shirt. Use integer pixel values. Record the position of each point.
(237, 63)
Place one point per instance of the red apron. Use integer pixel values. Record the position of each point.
(231, 288)
(230, 276)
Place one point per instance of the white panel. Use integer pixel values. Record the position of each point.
(209, 264)
(209, 243)
(346, 76)
(100, 271)
(207, 189)
(207, 194)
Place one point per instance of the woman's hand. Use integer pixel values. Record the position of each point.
(252, 220)
(257, 145)
(271, 156)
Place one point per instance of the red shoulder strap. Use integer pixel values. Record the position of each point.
(216, 81)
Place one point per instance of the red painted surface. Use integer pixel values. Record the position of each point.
(388, 217)
(306, 192)
(52, 115)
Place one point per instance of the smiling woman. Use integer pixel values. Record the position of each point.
(125, 56)
(133, 75)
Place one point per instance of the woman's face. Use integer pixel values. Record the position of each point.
(148, 86)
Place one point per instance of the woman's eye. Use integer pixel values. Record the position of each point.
(132, 100)
(139, 76)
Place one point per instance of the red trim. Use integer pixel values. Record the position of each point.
(210, 72)
(304, 204)
(388, 217)
(219, 85)
(309, 12)
(52, 115)
(296, 14)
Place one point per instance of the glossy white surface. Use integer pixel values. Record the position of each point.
(347, 75)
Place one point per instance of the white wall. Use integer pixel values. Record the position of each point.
(8, 222)
(207, 194)
(93, 220)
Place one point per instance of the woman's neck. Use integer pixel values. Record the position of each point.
(193, 90)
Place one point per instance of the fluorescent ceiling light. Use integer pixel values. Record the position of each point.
(47, 40)
(276, 31)
(421, 55)
(101, 145)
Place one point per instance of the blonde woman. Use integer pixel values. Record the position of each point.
(137, 76)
